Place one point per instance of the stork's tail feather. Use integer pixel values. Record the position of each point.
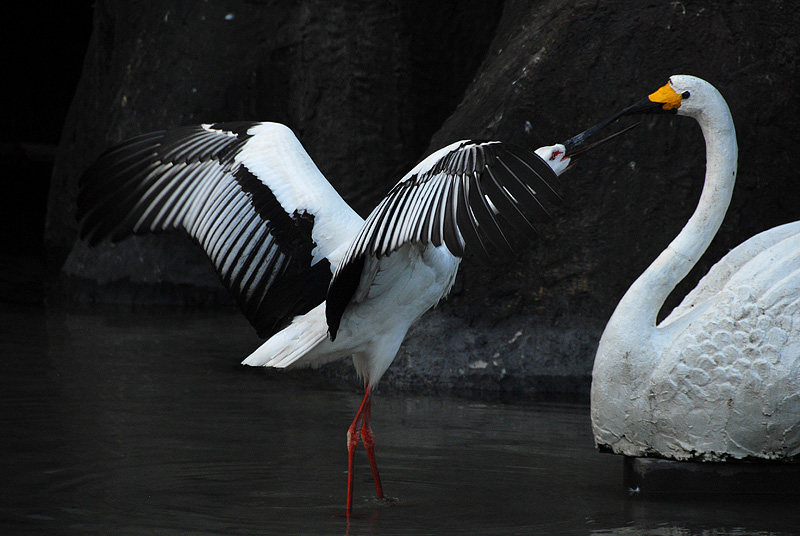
(292, 344)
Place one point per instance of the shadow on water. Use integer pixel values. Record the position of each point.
(144, 423)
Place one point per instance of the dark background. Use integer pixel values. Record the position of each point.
(370, 88)
(43, 56)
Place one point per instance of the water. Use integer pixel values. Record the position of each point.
(144, 423)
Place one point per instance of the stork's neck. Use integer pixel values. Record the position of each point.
(638, 309)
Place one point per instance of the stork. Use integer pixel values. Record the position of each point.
(315, 279)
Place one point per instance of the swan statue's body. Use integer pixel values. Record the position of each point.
(719, 378)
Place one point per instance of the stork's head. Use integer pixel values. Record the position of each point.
(555, 156)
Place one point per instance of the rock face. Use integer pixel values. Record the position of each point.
(370, 88)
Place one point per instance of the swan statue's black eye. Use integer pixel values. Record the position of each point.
(685, 95)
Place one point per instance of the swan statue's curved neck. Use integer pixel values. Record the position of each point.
(639, 308)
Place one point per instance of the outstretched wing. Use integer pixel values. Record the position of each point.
(467, 195)
(246, 192)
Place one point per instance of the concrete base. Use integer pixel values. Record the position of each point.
(658, 476)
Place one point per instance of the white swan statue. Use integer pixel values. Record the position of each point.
(719, 378)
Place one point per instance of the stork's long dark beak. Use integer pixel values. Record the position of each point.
(578, 143)
(665, 100)
(575, 145)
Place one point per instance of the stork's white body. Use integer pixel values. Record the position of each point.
(398, 289)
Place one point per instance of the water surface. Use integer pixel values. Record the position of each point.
(143, 422)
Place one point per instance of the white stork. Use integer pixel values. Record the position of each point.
(314, 278)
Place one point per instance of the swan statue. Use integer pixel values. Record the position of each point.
(719, 378)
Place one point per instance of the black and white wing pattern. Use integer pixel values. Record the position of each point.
(467, 195)
(246, 192)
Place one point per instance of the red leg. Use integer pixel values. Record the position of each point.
(361, 427)
(369, 445)
(352, 442)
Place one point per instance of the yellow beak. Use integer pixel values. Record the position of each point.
(667, 97)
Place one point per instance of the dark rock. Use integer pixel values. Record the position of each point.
(654, 477)
(370, 88)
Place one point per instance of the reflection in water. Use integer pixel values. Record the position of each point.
(144, 423)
